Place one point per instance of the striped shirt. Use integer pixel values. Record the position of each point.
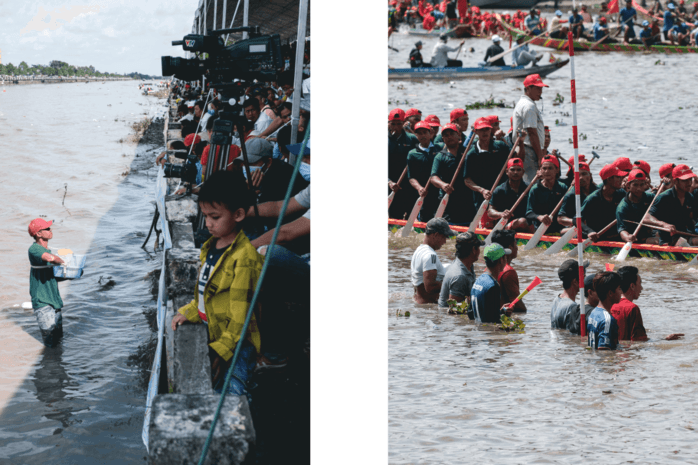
(602, 331)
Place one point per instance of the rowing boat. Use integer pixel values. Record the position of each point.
(489, 72)
(585, 46)
(678, 254)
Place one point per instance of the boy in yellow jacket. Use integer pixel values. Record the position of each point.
(230, 268)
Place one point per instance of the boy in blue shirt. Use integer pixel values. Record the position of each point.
(485, 293)
(602, 331)
(625, 20)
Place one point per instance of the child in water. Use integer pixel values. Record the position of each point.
(230, 268)
(43, 286)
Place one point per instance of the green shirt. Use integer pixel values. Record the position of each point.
(460, 208)
(668, 208)
(542, 201)
(628, 210)
(43, 287)
(484, 167)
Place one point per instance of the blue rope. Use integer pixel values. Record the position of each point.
(287, 198)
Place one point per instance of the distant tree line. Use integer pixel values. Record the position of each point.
(55, 68)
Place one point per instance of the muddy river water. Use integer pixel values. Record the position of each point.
(459, 393)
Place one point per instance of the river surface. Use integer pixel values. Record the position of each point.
(459, 393)
(67, 155)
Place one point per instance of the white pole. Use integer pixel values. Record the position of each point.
(205, 10)
(232, 21)
(215, 15)
(298, 72)
(225, 11)
(245, 17)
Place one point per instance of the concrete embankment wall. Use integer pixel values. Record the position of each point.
(181, 418)
(24, 80)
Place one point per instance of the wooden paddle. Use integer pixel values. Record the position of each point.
(407, 229)
(664, 229)
(543, 227)
(399, 181)
(629, 245)
(485, 203)
(503, 54)
(587, 241)
(444, 201)
(502, 221)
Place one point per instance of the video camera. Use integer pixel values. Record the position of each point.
(187, 171)
(258, 57)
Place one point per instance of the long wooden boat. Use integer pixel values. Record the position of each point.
(679, 254)
(490, 72)
(585, 46)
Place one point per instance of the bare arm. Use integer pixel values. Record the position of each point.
(47, 257)
(273, 126)
(431, 285)
(287, 233)
(472, 186)
(272, 209)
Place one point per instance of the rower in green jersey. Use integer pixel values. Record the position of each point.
(400, 143)
(599, 208)
(484, 161)
(459, 117)
(545, 195)
(419, 164)
(674, 208)
(633, 207)
(505, 196)
(568, 211)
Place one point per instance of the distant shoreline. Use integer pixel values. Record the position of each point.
(24, 80)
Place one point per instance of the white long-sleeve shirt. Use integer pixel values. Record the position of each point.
(439, 57)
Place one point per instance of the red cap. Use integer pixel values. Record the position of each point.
(582, 158)
(623, 163)
(37, 225)
(493, 119)
(666, 169)
(550, 159)
(643, 165)
(422, 125)
(433, 120)
(611, 170)
(514, 162)
(602, 20)
(412, 112)
(682, 172)
(482, 123)
(457, 113)
(584, 167)
(637, 175)
(546, 128)
(192, 138)
(396, 115)
(452, 127)
(534, 80)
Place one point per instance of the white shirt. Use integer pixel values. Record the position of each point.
(439, 58)
(527, 115)
(303, 198)
(425, 259)
(262, 122)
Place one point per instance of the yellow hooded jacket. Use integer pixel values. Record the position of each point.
(228, 295)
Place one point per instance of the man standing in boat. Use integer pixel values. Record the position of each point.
(528, 118)
(439, 58)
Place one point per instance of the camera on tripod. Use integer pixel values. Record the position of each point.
(186, 171)
(258, 57)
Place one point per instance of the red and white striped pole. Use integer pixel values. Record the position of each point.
(577, 201)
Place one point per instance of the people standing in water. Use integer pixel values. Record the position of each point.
(427, 270)
(43, 286)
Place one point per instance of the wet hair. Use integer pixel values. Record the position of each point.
(227, 188)
(504, 237)
(464, 249)
(209, 123)
(251, 102)
(606, 282)
(628, 275)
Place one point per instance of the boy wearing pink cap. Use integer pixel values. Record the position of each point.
(43, 287)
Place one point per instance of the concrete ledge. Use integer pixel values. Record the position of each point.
(180, 423)
(181, 210)
(181, 275)
(191, 367)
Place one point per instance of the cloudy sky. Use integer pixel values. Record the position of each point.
(118, 36)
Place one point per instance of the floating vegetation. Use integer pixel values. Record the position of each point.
(511, 324)
(559, 99)
(489, 103)
(459, 308)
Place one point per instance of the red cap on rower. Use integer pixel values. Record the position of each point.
(534, 80)
(412, 112)
(611, 170)
(452, 127)
(637, 174)
(682, 172)
(551, 159)
(584, 167)
(422, 125)
(37, 225)
(457, 113)
(623, 163)
(433, 120)
(396, 115)
(514, 162)
(643, 165)
(493, 119)
(667, 168)
(482, 123)
(192, 138)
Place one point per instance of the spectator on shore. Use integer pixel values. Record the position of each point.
(252, 112)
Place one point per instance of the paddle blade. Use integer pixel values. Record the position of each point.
(533, 242)
(413, 216)
(478, 217)
(624, 251)
(497, 227)
(442, 207)
(694, 262)
(390, 198)
(536, 281)
(562, 242)
(610, 266)
(574, 252)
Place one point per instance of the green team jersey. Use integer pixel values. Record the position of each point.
(43, 286)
